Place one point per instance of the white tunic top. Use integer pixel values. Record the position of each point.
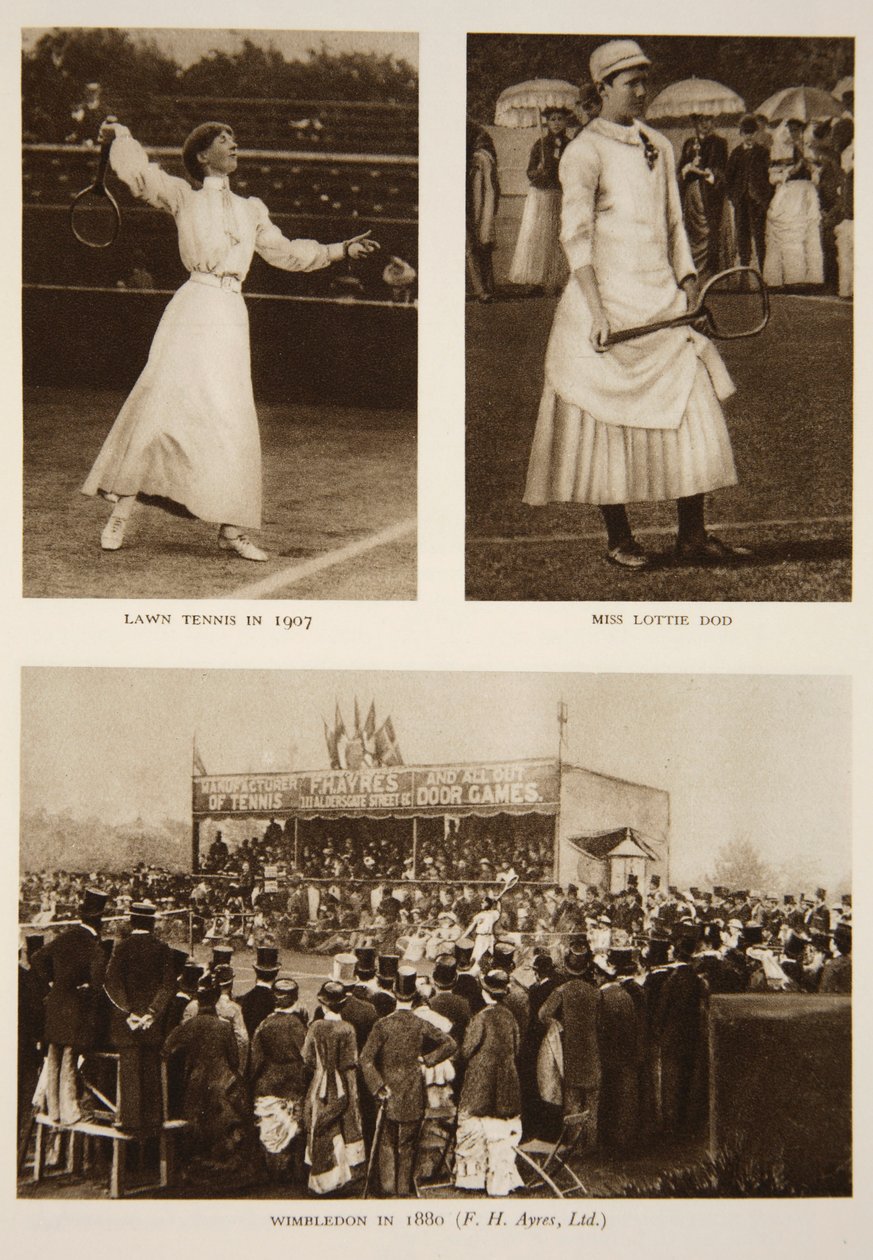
(621, 215)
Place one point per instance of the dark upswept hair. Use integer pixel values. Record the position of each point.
(198, 142)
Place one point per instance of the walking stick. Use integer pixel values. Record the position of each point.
(377, 1136)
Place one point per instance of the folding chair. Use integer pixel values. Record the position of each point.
(441, 1125)
(547, 1161)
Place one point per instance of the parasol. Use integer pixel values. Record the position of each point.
(846, 84)
(803, 103)
(522, 104)
(695, 96)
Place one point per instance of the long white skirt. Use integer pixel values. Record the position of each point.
(188, 431)
(793, 239)
(577, 459)
(845, 235)
(539, 257)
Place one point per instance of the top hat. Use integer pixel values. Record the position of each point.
(503, 955)
(142, 914)
(655, 881)
(404, 984)
(622, 959)
(463, 953)
(221, 955)
(365, 962)
(719, 890)
(343, 968)
(788, 899)
(93, 904)
(614, 56)
(657, 952)
(671, 888)
(496, 982)
(32, 944)
(445, 971)
(633, 881)
(180, 959)
(266, 960)
(332, 994)
(752, 934)
(695, 892)
(191, 975)
(388, 964)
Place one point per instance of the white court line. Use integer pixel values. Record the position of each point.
(496, 540)
(293, 573)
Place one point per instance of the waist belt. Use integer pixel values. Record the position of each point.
(231, 284)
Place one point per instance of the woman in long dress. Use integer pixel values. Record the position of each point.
(640, 421)
(187, 436)
(538, 259)
(482, 200)
(794, 252)
(705, 207)
(332, 1113)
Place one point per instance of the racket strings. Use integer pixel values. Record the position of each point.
(94, 220)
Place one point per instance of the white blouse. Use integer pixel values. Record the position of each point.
(219, 232)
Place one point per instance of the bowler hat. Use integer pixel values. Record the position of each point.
(445, 971)
(207, 989)
(576, 961)
(332, 994)
(616, 55)
(223, 974)
(404, 983)
(496, 982)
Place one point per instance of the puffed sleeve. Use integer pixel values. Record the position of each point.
(145, 179)
(579, 173)
(677, 238)
(279, 251)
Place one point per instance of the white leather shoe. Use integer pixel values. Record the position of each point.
(113, 533)
(243, 546)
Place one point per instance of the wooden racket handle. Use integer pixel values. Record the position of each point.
(103, 164)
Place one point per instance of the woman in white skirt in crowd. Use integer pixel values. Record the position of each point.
(538, 259)
(640, 421)
(794, 250)
(187, 436)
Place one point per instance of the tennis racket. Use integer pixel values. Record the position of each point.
(94, 214)
(735, 303)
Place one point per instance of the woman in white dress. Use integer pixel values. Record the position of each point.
(187, 436)
(794, 250)
(640, 421)
(538, 259)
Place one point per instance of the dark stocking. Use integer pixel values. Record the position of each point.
(618, 530)
(689, 514)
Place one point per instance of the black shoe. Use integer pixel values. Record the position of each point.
(628, 555)
(709, 550)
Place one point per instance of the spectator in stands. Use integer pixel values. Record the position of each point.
(187, 436)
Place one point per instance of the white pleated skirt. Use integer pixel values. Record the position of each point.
(539, 257)
(577, 459)
(188, 432)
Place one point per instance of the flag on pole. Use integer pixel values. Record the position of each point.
(197, 760)
(387, 749)
(330, 740)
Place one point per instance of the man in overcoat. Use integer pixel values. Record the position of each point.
(140, 982)
(71, 967)
(399, 1046)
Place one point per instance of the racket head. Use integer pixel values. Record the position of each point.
(735, 303)
(95, 217)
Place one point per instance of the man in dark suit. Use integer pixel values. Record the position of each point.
(467, 983)
(748, 186)
(391, 1064)
(260, 1001)
(574, 1005)
(383, 997)
(140, 982)
(836, 974)
(677, 1025)
(71, 967)
(621, 1044)
(31, 1029)
(445, 1000)
(279, 1078)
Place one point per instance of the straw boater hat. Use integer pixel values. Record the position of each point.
(142, 915)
